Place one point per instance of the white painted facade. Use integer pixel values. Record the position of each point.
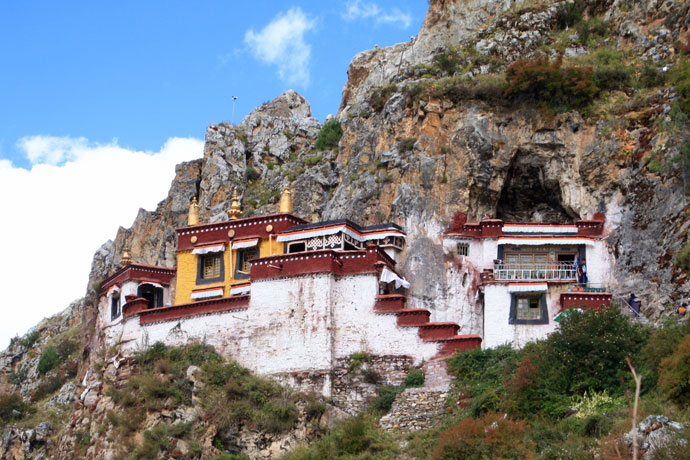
(494, 309)
(296, 324)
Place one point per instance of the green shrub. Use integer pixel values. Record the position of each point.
(491, 437)
(231, 457)
(386, 396)
(10, 402)
(312, 160)
(610, 72)
(662, 342)
(682, 258)
(650, 76)
(355, 438)
(30, 339)
(549, 82)
(587, 353)
(251, 174)
(329, 135)
(569, 13)
(356, 360)
(447, 61)
(48, 360)
(407, 144)
(415, 378)
(679, 77)
(674, 376)
(380, 96)
(48, 386)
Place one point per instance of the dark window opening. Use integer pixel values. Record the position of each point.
(114, 307)
(151, 293)
(244, 262)
(566, 258)
(299, 246)
(349, 247)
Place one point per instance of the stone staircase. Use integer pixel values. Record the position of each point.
(419, 408)
(443, 333)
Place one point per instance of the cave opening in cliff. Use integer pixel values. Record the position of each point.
(530, 195)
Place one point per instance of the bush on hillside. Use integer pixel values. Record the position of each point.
(661, 344)
(587, 353)
(674, 374)
(9, 403)
(48, 360)
(330, 135)
(549, 82)
(492, 437)
(355, 438)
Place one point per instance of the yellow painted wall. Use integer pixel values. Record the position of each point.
(187, 270)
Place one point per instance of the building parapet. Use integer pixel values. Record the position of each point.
(321, 261)
(494, 228)
(139, 272)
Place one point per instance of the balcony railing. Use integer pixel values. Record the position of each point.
(538, 272)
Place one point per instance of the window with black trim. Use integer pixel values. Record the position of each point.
(244, 259)
(210, 269)
(528, 308)
(463, 249)
(114, 306)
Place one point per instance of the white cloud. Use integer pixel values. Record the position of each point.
(354, 10)
(281, 43)
(55, 217)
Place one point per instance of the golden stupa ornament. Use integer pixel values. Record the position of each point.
(126, 259)
(286, 200)
(193, 218)
(235, 209)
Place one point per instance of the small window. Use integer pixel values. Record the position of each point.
(114, 306)
(463, 249)
(244, 262)
(528, 308)
(210, 266)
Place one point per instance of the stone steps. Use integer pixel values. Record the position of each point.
(443, 333)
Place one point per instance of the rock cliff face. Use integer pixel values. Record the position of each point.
(418, 161)
(419, 158)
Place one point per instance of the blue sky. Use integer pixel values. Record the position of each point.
(99, 101)
(143, 71)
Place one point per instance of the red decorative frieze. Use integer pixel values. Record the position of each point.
(204, 307)
(242, 228)
(139, 272)
(323, 261)
(585, 300)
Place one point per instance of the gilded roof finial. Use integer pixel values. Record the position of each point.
(126, 259)
(193, 218)
(286, 200)
(235, 209)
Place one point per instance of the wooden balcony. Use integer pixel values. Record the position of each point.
(534, 272)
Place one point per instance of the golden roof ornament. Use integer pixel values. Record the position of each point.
(235, 210)
(126, 259)
(286, 200)
(193, 218)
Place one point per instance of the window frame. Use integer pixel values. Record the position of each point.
(543, 308)
(115, 307)
(200, 268)
(240, 259)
